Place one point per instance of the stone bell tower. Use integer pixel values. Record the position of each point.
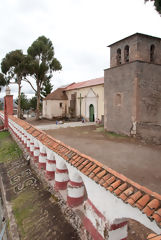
(132, 87)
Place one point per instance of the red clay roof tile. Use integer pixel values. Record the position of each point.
(101, 181)
(101, 174)
(83, 164)
(157, 216)
(91, 168)
(79, 162)
(141, 203)
(75, 160)
(85, 169)
(154, 236)
(109, 181)
(133, 198)
(95, 171)
(106, 177)
(91, 175)
(96, 179)
(120, 189)
(114, 185)
(151, 207)
(124, 195)
(89, 83)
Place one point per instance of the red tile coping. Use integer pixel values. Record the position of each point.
(122, 187)
(154, 236)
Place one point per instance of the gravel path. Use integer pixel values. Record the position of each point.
(64, 125)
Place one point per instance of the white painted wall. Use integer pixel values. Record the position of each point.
(112, 208)
(51, 108)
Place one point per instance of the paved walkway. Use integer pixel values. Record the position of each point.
(64, 125)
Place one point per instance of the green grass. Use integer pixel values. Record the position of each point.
(9, 150)
(111, 135)
(3, 135)
(23, 208)
(99, 129)
(115, 135)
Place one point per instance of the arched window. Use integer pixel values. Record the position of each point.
(126, 53)
(152, 49)
(118, 57)
(118, 99)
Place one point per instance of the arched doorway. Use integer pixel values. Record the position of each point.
(91, 113)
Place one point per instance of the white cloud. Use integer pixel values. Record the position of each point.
(79, 29)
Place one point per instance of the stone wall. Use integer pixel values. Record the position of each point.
(139, 49)
(120, 82)
(149, 93)
(149, 102)
(132, 97)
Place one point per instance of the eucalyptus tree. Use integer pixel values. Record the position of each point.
(157, 4)
(14, 68)
(47, 87)
(25, 103)
(42, 66)
(3, 81)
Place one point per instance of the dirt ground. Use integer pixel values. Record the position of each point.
(34, 122)
(36, 211)
(138, 161)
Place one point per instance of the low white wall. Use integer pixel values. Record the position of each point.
(107, 208)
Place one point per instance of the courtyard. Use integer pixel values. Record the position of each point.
(136, 160)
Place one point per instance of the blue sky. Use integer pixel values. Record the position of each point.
(79, 29)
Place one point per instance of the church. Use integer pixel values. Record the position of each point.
(76, 100)
(127, 99)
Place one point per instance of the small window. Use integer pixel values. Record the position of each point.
(118, 99)
(118, 57)
(152, 49)
(61, 104)
(126, 53)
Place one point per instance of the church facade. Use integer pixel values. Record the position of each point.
(77, 100)
(133, 87)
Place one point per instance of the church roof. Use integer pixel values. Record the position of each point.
(58, 94)
(139, 34)
(89, 83)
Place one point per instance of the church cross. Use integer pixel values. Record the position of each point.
(80, 99)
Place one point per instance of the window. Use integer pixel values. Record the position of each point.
(118, 99)
(61, 104)
(126, 53)
(152, 49)
(118, 57)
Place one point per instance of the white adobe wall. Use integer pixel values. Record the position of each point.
(51, 108)
(113, 209)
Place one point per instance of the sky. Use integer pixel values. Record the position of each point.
(80, 31)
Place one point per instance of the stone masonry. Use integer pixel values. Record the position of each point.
(132, 88)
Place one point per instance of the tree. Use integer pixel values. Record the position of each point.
(33, 103)
(14, 66)
(42, 66)
(25, 103)
(3, 81)
(157, 4)
(47, 88)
